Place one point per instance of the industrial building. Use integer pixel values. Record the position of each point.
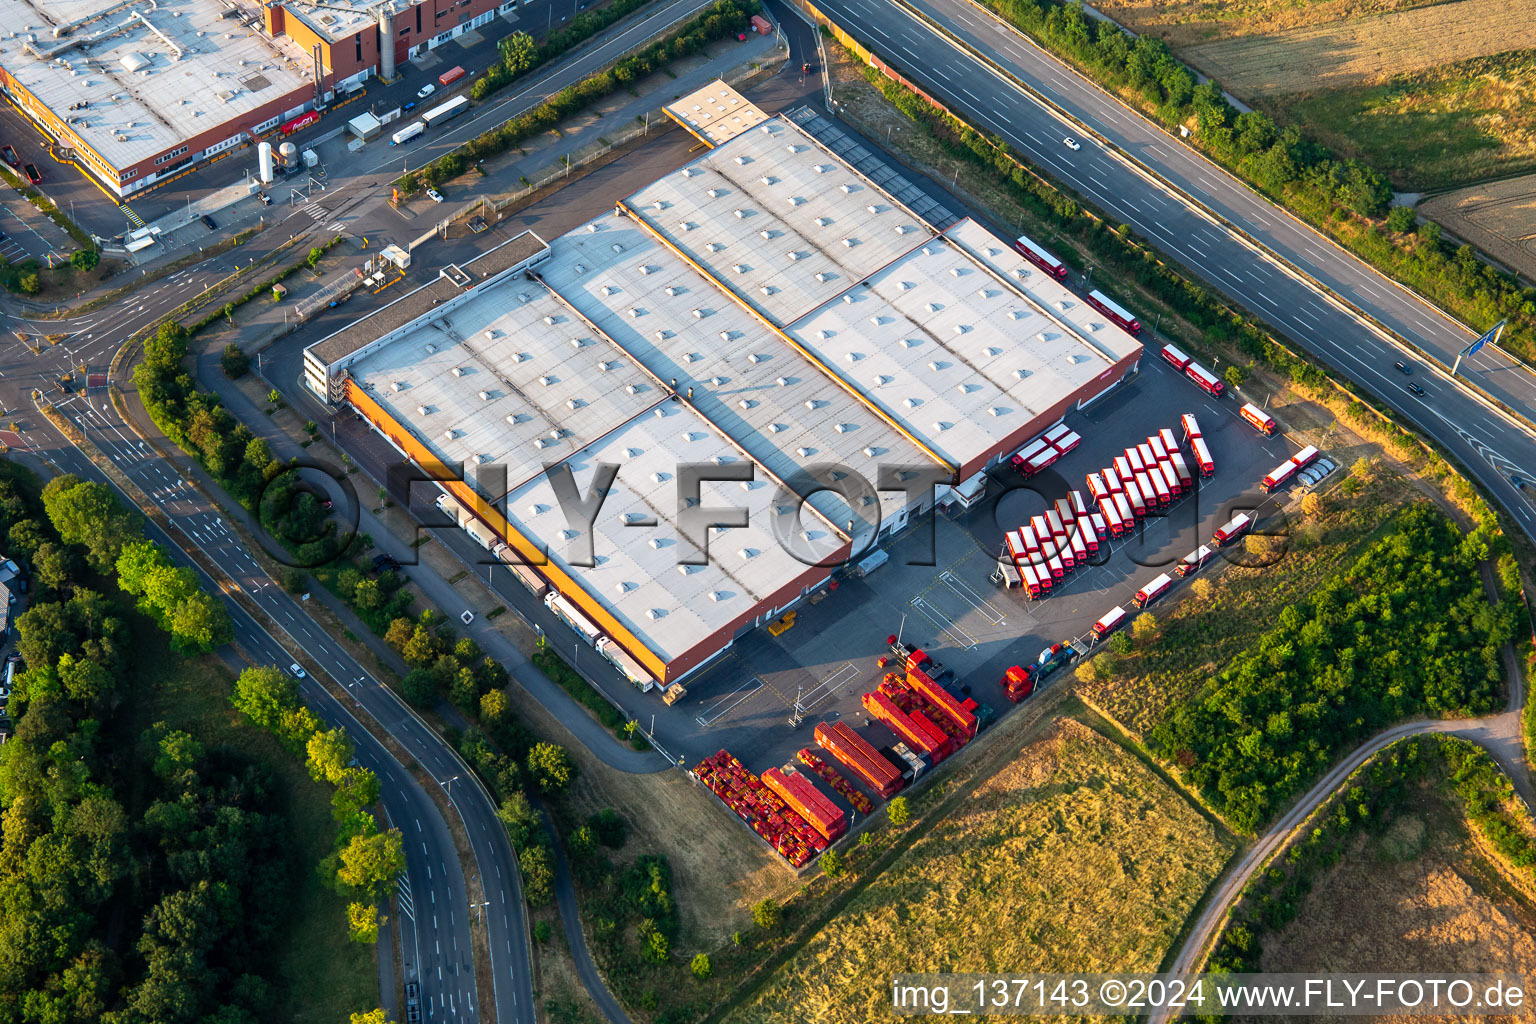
(766, 312)
(137, 91)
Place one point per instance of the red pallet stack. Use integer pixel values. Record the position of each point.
(790, 835)
(798, 792)
(839, 740)
(832, 777)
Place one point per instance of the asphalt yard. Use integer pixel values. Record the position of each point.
(936, 589)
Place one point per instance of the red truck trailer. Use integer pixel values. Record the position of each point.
(450, 76)
(1154, 590)
(1176, 357)
(1278, 477)
(1111, 621)
(1191, 426)
(1018, 683)
(1040, 257)
(806, 800)
(1116, 312)
(855, 754)
(1208, 381)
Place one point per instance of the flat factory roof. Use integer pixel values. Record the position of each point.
(951, 351)
(778, 220)
(508, 378)
(715, 113)
(670, 607)
(772, 401)
(154, 72)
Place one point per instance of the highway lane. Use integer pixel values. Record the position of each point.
(438, 941)
(1410, 316)
(1492, 444)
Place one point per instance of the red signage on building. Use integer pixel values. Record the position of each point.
(302, 121)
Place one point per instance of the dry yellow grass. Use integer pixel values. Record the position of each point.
(1419, 898)
(1364, 50)
(1186, 22)
(1075, 857)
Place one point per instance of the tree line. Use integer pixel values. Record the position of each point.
(1404, 630)
(144, 876)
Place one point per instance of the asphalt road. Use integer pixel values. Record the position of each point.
(1490, 443)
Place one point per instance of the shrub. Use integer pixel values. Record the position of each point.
(766, 913)
(701, 967)
(84, 260)
(234, 362)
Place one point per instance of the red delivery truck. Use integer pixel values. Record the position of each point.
(1112, 480)
(1205, 378)
(1154, 590)
(1191, 426)
(1192, 562)
(1021, 458)
(1279, 476)
(1233, 529)
(1203, 457)
(1181, 468)
(1170, 443)
(1111, 621)
(1176, 357)
(1127, 514)
(1258, 419)
(1096, 487)
(1305, 457)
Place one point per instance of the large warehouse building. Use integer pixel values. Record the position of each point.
(764, 311)
(137, 91)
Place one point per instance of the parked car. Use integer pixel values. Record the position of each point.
(1326, 465)
(266, 200)
(1307, 477)
(409, 107)
(434, 195)
(425, 91)
(1071, 143)
(210, 223)
(296, 670)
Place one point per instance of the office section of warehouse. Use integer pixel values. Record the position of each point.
(765, 315)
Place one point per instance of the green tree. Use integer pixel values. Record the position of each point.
(363, 926)
(766, 914)
(199, 623)
(25, 537)
(177, 753)
(538, 875)
(832, 864)
(493, 708)
(898, 811)
(53, 564)
(543, 932)
(657, 949)
(518, 53)
(1401, 218)
(1145, 627)
(164, 351)
(264, 693)
(370, 864)
(88, 513)
(701, 967)
(1234, 375)
(521, 820)
(420, 687)
(316, 254)
(29, 283)
(399, 633)
(551, 767)
(328, 755)
(1120, 644)
(84, 260)
(371, 1016)
(236, 364)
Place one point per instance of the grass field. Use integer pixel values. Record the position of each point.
(323, 976)
(1431, 128)
(1075, 857)
(1198, 637)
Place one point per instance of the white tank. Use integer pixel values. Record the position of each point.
(264, 158)
(290, 154)
(386, 14)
